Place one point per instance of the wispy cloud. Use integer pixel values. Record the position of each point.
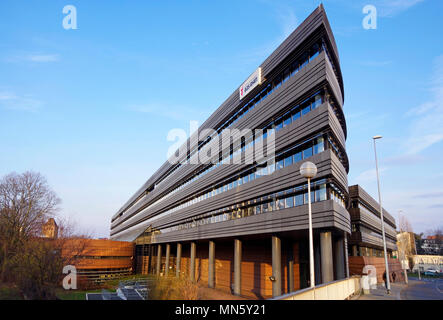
(44, 58)
(287, 20)
(11, 101)
(167, 110)
(374, 63)
(391, 8)
(427, 119)
(429, 195)
(36, 58)
(369, 175)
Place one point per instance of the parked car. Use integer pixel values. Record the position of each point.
(431, 272)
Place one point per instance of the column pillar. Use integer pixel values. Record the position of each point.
(237, 266)
(211, 265)
(192, 262)
(276, 266)
(179, 258)
(291, 268)
(159, 259)
(168, 253)
(345, 235)
(327, 268)
(339, 258)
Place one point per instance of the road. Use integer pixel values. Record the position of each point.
(431, 289)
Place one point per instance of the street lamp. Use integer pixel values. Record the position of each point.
(388, 283)
(309, 170)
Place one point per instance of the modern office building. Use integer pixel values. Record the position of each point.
(243, 227)
(365, 242)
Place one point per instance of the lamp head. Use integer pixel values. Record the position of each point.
(377, 137)
(308, 170)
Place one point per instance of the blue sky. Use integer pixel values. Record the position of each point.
(91, 108)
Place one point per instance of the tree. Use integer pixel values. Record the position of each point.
(404, 224)
(26, 202)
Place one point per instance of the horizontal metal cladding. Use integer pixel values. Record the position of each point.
(315, 121)
(315, 21)
(357, 192)
(279, 180)
(325, 214)
(374, 222)
(367, 238)
(314, 75)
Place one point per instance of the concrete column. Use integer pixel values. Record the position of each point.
(276, 266)
(179, 258)
(237, 266)
(339, 256)
(211, 265)
(291, 268)
(168, 253)
(192, 262)
(345, 235)
(327, 267)
(159, 259)
(354, 250)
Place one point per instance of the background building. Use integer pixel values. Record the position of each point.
(366, 242)
(50, 229)
(244, 227)
(99, 260)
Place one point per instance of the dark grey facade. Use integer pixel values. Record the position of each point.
(366, 237)
(300, 100)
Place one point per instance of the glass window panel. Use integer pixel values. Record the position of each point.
(298, 157)
(258, 209)
(305, 110)
(319, 146)
(252, 176)
(317, 101)
(280, 164)
(307, 153)
(288, 161)
(296, 115)
(320, 193)
(278, 125)
(299, 199)
(235, 184)
(287, 121)
(271, 168)
(246, 179)
(289, 202)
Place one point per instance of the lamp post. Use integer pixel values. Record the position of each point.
(309, 170)
(388, 283)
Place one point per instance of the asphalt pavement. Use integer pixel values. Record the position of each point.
(425, 289)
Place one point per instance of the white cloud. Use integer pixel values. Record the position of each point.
(427, 119)
(369, 175)
(36, 58)
(11, 101)
(43, 58)
(167, 110)
(391, 8)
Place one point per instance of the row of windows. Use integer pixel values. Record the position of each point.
(366, 252)
(288, 198)
(293, 69)
(294, 113)
(283, 159)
